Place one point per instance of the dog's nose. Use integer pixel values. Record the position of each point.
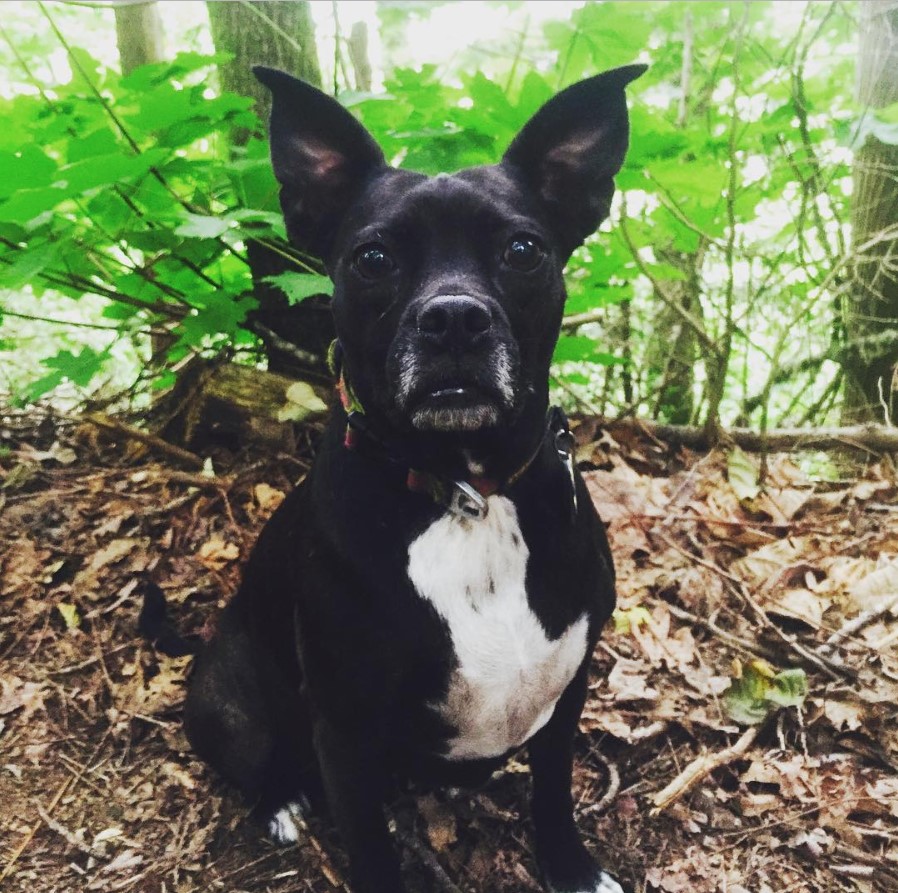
(454, 321)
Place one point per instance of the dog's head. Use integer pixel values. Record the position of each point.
(448, 290)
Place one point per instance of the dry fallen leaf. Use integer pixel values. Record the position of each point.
(877, 589)
(16, 694)
(216, 552)
(799, 604)
(268, 498)
(439, 821)
(627, 681)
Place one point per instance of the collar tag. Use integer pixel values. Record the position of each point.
(564, 446)
(466, 502)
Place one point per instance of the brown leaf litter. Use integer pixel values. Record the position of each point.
(101, 793)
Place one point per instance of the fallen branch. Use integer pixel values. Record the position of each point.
(872, 438)
(70, 838)
(699, 769)
(752, 648)
(150, 440)
(865, 618)
(441, 880)
(610, 792)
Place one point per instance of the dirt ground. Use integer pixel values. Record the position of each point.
(720, 576)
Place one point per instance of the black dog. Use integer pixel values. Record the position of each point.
(429, 599)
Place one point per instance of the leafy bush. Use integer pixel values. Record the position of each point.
(729, 234)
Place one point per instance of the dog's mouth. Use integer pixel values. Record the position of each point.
(454, 408)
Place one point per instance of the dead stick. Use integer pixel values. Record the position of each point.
(699, 769)
(157, 443)
(441, 879)
(865, 618)
(60, 793)
(872, 438)
(68, 836)
(729, 638)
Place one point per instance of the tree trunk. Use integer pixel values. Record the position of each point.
(672, 353)
(871, 388)
(277, 33)
(280, 34)
(139, 35)
(141, 39)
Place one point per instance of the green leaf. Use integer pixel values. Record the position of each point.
(78, 368)
(28, 168)
(108, 170)
(69, 615)
(202, 226)
(299, 286)
(28, 264)
(579, 348)
(36, 389)
(757, 690)
(27, 204)
(221, 314)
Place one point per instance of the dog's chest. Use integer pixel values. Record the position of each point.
(509, 674)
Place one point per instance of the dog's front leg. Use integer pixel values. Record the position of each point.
(564, 861)
(354, 786)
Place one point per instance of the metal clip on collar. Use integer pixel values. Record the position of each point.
(466, 502)
(564, 446)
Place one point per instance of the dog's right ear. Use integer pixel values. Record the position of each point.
(321, 155)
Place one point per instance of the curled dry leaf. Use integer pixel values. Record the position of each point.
(268, 498)
(758, 566)
(17, 694)
(877, 589)
(628, 681)
(217, 552)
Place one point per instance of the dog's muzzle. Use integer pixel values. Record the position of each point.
(456, 363)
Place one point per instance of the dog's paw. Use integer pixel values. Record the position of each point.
(604, 883)
(285, 825)
(607, 884)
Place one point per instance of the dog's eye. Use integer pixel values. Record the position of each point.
(373, 261)
(523, 253)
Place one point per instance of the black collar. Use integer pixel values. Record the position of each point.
(466, 497)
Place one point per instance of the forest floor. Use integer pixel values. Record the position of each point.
(100, 792)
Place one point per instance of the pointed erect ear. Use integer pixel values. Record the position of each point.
(570, 150)
(321, 155)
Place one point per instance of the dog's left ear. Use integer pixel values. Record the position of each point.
(322, 157)
(570, 150)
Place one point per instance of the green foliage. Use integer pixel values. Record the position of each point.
(123, 188)
(758, 689)
(726, 238)
(299, 286)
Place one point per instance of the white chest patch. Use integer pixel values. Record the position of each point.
(509, 674)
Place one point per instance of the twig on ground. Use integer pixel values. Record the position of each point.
(60, 793)
(870, 438)
(70, 838)
(834, 669)
(700, 768)
(197, 480)
(865, 618)
(752, 648)
(144, 437)
(442, 881)
(610, 792)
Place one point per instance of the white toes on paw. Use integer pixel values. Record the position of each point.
(607, 884)
(604, 884)
(284, 826)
